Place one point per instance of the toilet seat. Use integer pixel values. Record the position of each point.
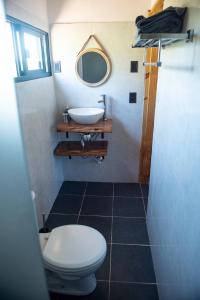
(74, 247)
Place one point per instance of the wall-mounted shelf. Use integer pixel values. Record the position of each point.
(94, 148)
(160, 40)
(74, 148)
(151, 40)
(100, 127)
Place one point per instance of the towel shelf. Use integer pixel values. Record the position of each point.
(160, 40)
(151, 40)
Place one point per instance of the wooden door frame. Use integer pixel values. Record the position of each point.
(151, 78)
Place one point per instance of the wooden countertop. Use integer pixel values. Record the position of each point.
(71, 126)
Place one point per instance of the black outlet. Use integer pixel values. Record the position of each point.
(134, 66)
(132, 97)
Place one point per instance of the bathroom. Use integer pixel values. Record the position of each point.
(119, 193)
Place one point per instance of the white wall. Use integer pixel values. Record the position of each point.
(38, 112)
(33, 12)
(65, 11)
(173, 209)
(121, 164)
(113, 23)
(182, 3)
(187, 3)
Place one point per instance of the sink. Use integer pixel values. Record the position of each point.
(86, 115)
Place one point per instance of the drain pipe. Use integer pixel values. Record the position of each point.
(99, 159)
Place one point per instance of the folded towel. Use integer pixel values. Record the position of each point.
(169, 20)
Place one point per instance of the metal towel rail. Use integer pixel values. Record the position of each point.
(160, 40)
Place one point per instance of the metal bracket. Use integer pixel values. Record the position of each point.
(153, 64)
(161, 40)
(190, 37)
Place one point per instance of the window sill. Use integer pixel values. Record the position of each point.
(31, 77)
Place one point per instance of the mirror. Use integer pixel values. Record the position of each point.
(93, 67)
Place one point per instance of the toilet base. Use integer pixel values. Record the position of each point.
(77, 286)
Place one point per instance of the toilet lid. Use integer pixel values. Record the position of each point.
(74, 246)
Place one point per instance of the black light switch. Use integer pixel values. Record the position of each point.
(132, 97)
(134, 66)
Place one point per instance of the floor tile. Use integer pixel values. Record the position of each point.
(103, 272)
(100, 293)
(99, 188)
(132, 263)
(145, 203)
(101, 206)
(60, 220)
(145, 190)
(73, 187)
(129, 231)
(127, 189)
(54, 296)
(128, 207)
(67, 204)
(131, 291)
(102, 224)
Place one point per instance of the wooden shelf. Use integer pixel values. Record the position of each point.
(74, 148)
(101, 127)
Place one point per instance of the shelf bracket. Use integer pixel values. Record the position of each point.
(190, 36)
(158, 63)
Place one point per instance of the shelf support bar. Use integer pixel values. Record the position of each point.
(153, 64)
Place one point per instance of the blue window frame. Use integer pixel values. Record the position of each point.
(31, 49)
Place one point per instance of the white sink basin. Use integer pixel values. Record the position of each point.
(86, 115)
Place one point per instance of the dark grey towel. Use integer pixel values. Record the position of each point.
(169, 20)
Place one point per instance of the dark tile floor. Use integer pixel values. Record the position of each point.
(118, 211)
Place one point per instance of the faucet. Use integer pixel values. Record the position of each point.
(66, 116)
(103, 100)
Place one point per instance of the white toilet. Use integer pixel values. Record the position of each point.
(72, 254)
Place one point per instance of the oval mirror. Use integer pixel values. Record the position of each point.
(93, 67)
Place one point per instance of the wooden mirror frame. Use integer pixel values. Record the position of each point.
(108, 63)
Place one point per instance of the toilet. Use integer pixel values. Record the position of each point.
(72, 254)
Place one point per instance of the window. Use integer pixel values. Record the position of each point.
(31, 51)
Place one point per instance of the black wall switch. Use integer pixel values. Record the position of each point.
(134, 66)
(132, 97)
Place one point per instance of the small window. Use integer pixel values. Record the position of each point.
(31, 51)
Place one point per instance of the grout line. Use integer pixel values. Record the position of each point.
(111, 244)
(101, 216)
(88, 195)
(82, 203)
(122, 217)
(116, 196)
(151, 245)
(102, 280)
(63, 214)
(134, 282)
(142, 245)
(131, 244)
(143, 200)
(66, 194)
(128, 282)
